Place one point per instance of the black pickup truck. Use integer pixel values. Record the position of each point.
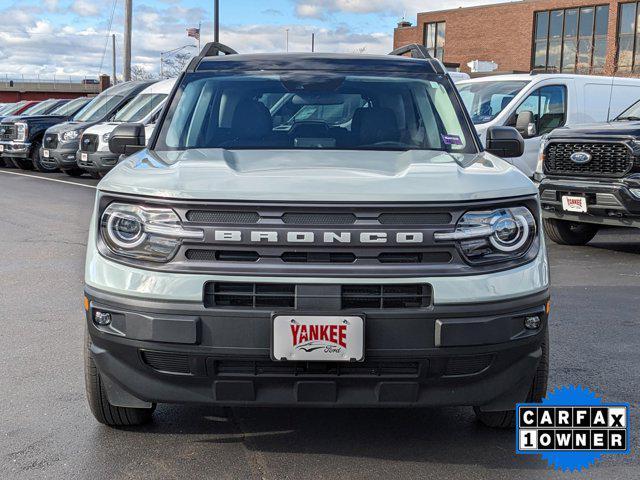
(591, 178)
(21, 137)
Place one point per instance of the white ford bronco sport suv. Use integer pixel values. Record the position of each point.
(315, 230)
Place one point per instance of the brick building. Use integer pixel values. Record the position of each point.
(578, 36)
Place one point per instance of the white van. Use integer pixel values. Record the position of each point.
(537, 103)
(94, 155)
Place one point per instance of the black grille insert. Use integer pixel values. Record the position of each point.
(9, 132)
(167, 362)
(607, 159)
(468, 364)
(415, 218)
(50, 141)
(369, 368)
(235, 218)
(89, 143)
(415, 257)
(250, 295)
(386, 296)
(318, 257)
(319, 218)
(221, 255)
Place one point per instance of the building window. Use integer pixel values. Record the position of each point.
(629, 38)
(434, 33)
(571, 40)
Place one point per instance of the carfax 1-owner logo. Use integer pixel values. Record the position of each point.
(572, 428)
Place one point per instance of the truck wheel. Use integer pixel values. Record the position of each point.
(74, 172)
(102, 410)
(38, 164)
(570, 233)
(507, 418)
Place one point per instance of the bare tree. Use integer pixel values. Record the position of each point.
(139, 72)
(360, 50)
(175, 64)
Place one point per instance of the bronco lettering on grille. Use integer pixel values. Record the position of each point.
(312, 237)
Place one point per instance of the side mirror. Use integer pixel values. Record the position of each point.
(505, 142)
(127, 139)
(526, 125)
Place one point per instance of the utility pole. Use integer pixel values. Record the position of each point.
(313, 42)
(113, 57)
(128, 12)
(287, 39)
(216, 20)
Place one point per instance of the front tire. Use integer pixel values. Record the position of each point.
(101, 409)
(507, 418)
(570, 233)
(38, 164)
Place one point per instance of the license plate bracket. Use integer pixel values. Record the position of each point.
(574, 203)
(321, 338)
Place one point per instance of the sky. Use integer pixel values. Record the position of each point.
(72, 38)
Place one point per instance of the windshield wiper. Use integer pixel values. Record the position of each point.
(630, 118)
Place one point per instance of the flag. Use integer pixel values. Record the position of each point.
(193, 32)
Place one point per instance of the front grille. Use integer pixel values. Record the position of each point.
(385, 296)
(237, 218)
(319, 218)
(387, 368)
(9, 132)
(221, 255)
(89, 143)
(50, 141)
(414, 218)
(286, 295)
(607, 159)
(318, 257)
(250, 295)
(167, 362)
(467, 364)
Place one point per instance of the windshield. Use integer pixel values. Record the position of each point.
(40, 108)
(631, 113)
(303, 110)
(70, 107)
(140, 107)
(98, 108)
(485, 100)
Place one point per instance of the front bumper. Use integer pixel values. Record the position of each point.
(16, 149)
(65, 155)
(182, 352)
(609, 201)
(100, 162)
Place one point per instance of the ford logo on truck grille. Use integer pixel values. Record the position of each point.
(580, 157)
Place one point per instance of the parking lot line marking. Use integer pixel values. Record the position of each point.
(48, 179)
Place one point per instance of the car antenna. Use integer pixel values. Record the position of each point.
(613, 80)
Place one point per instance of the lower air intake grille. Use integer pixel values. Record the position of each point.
(250, 295)
(167, 362)
(387, 368)
(467, 365)
(385, 296)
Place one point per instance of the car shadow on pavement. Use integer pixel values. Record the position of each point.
(442, 435)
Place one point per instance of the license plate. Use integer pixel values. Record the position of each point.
(318, 338)
(83, 157)
(574, 204)
(45, 153)
(1, 148)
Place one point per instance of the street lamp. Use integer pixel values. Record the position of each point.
(171, 52)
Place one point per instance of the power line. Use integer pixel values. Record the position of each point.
(106, 42)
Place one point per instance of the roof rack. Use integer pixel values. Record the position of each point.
(417, 51)
(211, 49)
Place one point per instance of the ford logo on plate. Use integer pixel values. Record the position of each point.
(580, 157)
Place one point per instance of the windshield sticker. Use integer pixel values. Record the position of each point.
(451, 139)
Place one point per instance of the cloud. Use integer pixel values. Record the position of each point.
(322, 9)
(85, 8)
(272, 12)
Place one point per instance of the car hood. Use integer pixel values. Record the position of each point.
(612, 129)
(102, 128)
(66, 126)
(322, 176)
(35, 118)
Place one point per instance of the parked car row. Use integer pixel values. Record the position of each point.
(73, 136)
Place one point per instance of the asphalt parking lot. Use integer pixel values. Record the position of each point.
(47, 431)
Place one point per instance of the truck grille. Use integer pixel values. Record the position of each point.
(89, 143)
(368, 368)
(8, 131)
(287, 296)
(50, 141)
(608, 159)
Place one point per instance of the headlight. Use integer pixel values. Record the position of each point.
(493, 236)
(71, 135)
(22, 131)
(144, 233)
(105, 137)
